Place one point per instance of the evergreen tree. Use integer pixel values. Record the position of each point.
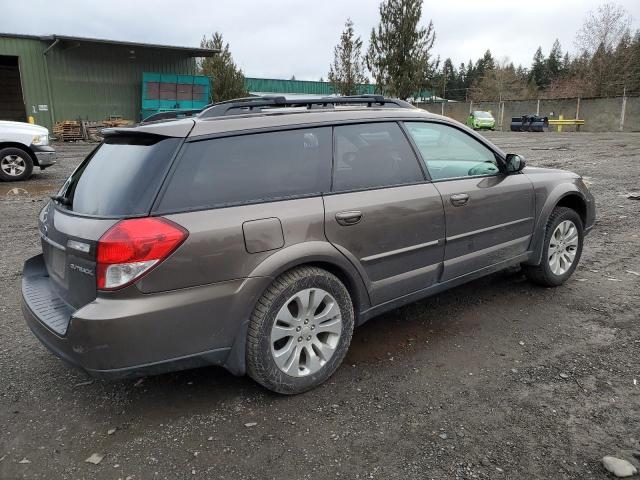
(399, 55)
(227, 80)
(634, 65)
(538, 72)
(470, 77)
(554, 62)
(449, 79)
(347, 73)
(501, 82)
(485, 63)
(622, 71)
(462, 74)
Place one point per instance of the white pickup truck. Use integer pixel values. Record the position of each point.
(23, 146)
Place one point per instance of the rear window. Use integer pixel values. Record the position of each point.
(121, 177)
(250, 168)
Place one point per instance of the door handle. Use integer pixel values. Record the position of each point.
(348, 218)
(459, 199)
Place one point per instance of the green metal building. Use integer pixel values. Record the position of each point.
(270, 86)
(258, 86)
(54, 78)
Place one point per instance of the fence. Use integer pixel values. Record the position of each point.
(612, 114)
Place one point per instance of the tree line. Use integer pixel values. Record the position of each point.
(401, 62)
(607, 63)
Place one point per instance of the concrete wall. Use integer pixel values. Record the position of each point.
(599, 114)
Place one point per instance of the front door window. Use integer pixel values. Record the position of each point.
(450, 153)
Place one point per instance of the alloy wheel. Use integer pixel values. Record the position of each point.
(306, 332)
(563, 247)
(13, 165)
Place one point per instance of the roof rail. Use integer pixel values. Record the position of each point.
(245, 105)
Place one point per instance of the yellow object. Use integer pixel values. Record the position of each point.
(561, 121)
(31, 120)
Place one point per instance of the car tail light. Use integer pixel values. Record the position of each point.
(132, 247)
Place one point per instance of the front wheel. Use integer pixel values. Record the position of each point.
(15, 164)
(562, 249)
(300, 331)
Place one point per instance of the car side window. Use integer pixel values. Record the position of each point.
(373, 155)
(450, 153)
(250, 168)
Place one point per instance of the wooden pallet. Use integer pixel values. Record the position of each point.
(68, 131)
(73, 131)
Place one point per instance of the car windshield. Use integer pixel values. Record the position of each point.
(482, 115)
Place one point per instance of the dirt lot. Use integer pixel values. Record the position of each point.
(495, 379)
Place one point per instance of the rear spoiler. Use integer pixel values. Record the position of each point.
(178, 128)
(171, 115)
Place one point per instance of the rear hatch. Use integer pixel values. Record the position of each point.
(118, 180)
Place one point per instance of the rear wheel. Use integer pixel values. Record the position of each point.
(300, 331)
(15, 164)
(562, 249)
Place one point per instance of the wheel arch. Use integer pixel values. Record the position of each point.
(23, 147)
(575, 202)
(317, 254)
(564, 195)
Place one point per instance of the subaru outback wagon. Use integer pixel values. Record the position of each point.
(257, 234)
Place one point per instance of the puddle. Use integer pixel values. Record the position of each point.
(26, 190)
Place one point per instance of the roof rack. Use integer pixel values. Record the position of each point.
(246, 105)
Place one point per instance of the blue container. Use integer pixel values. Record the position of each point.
(162, 92)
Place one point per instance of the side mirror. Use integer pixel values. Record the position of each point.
(515, 163)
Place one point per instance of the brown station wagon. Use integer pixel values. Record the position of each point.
(257, 234)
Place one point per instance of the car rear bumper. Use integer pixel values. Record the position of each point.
(138, 334)
(46, 155)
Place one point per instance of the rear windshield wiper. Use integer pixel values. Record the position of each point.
(62, 200)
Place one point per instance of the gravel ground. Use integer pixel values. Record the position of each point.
(495, 379)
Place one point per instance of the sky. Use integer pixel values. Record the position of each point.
(281, 38)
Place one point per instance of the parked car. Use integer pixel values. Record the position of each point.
(258, 234)
(479, 120)
(23, 146)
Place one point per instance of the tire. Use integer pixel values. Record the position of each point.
(543, 273)
(15, 164)
(280, 312)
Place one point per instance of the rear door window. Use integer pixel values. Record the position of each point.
(373, 155)
(250, 168)
(121, 177)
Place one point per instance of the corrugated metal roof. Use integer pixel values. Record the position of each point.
(191, 51)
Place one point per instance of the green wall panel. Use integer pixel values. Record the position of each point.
(32, 75)
(272, 85)
(94, 82)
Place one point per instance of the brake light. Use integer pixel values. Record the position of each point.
(133, 247)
